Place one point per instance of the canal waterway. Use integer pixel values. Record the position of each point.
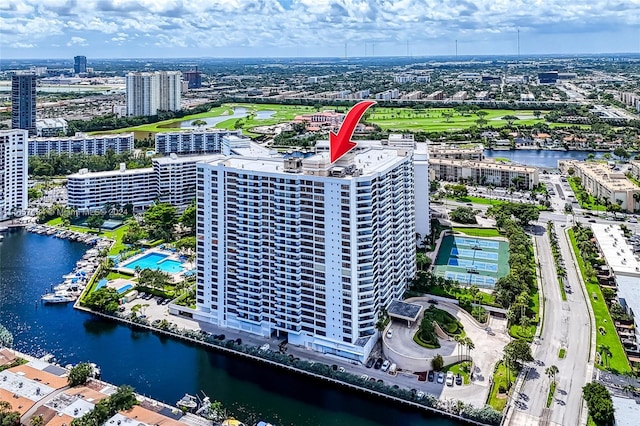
(539, 157)
(161, 367)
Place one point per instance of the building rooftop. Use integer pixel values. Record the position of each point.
(85, 174)
(404, 310)
(627, 411)
(82, 136)
(605, 176)
(174, 159)
(370, 161)
(483, 164)
(617, 252)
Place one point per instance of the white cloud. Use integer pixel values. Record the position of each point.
(77, 41)
(273, 24)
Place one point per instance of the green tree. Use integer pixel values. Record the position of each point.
(95, 221)
(621, 152)
(37, 420)
(463, 215)
(510, 119)
(551, 372)
(437, 362)
(188, 218)
(159, 220)
(79, 374)
(8, 417)
(517, 352)
(104, 299)
(537, 113)
(599, 403)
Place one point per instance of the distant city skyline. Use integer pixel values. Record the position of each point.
(315, 28)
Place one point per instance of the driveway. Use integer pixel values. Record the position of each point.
(488, 350)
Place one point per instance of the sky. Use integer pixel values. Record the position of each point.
(40, 29)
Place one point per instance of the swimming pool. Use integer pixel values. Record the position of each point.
(124, 288)
(156, 261)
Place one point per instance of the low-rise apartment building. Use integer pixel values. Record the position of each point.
(601, 181)
(193, 141)
(482, 172)
(452, 153)
(635, 168)
(90, 191)
(82, 143)
(48, 127)
(170, 180)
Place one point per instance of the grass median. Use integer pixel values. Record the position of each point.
(606, 334)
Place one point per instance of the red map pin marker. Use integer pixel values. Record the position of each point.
(340, 143)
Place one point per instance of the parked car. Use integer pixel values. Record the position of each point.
(390, 333)
(370, 363)
(378, 364)
(432, 301)
(458, 379)
(385, 365)
(450, 378)
(431, 376)
(440, 378)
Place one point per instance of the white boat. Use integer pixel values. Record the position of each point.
(4, 229)
(57, 298)
(188, 402)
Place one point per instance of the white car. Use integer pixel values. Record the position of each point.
(390, 333)
(440, 378)
(385, 365)
(450, 378)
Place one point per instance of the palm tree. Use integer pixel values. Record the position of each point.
(551, 372)
(605, 352)
(470, 346)
(460, 343)
(37, 420)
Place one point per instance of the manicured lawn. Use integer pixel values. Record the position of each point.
(618, 360)
(591, 203)
(500, 380)
(479, 232)
(430, 119)
(115, 275)
(282, 113)
(419, 341)
(457, 293)
(462, 368)
(552, 390)
(434, 119)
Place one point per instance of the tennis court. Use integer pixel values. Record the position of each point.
(469, 261)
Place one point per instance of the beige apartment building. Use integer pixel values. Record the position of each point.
(601, 181)
(482, 172)
(452, 153)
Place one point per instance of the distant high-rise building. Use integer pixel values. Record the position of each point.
(142, 93)
(150, 92)
(303, 249)
(194, 78)
(23, 102)
(170, 90)
(548, 77)
(13, 173)
(79, 64)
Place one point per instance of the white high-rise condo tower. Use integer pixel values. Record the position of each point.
(306, 249)
(13, 173)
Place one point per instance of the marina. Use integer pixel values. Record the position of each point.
(148, 361)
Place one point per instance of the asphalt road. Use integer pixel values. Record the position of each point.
(566, 325)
